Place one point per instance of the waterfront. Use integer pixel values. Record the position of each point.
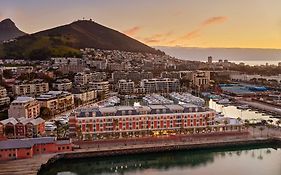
(232, 111)
(258, 160)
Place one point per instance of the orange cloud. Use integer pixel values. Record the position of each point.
(202, 26)
(132, 31)
(160, 37)
(214, 20)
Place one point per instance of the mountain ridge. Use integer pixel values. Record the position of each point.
(66, 40)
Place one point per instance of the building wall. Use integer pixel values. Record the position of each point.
(133, 123)
(30, 89)
(26, 110)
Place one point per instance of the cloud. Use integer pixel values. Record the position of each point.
(132, 31)
(196, 33)
(214, 20)
(160, 37)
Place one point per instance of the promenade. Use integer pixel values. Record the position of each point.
(134, 146)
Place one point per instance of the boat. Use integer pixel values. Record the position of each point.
(243, 107)
(224, 101)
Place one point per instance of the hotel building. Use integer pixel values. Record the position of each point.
(127, 121)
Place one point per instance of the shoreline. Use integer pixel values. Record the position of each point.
(156, 148)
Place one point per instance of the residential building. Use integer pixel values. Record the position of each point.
(30, 88)
(62, 85)
(164, 85)
(85, 96)
(102, 88)
(201, 78)
(26, 107)
(4, 99)
(210, 60)
(126, 87)
(82, 78)
(27, 148)
(56, 101)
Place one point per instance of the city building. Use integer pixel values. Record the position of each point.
(82, 78)
(26, 107)
(27, 148)
(160, 85)
(201, 79)
(210, 60)
(30, 88)
(4, 99)
(56, 101)
(126, 87)
(137, 121)
(173, 74)
(85, 96)
(62, 85)
(22, 127)
(102, 88)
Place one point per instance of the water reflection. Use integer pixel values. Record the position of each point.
(181, 162)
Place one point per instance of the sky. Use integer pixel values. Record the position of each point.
(181, 23)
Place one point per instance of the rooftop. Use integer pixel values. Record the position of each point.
(23, 99)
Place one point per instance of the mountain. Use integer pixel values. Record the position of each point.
(66, 40)
(8, 30)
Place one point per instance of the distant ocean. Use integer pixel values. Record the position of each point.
(258, 62)
(247, 55)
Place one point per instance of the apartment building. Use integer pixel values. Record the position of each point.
(102, 88)
(165, 85)
(4, 99)
(62, 85)
(85, 96)
(56, 101)
(30, 88)
(26, 107)
(126, 87)
(82, 78)
(201, 78)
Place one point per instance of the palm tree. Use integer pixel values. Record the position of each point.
(261, 129)
(278, 122)
(58, 125)
(247, 124)
(225, 124)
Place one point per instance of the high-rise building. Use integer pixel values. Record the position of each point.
(210, 60)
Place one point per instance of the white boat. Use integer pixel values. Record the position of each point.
(243, 107)
(224, 101)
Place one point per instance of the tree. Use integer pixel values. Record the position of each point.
(225, 124)
(261, 129)
(45, 113)
(59, 128)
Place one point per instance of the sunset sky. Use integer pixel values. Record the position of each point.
(186, 23)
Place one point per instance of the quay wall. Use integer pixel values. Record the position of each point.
(141, 149)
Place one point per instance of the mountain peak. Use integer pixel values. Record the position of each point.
(7, 21)
(9, 30)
